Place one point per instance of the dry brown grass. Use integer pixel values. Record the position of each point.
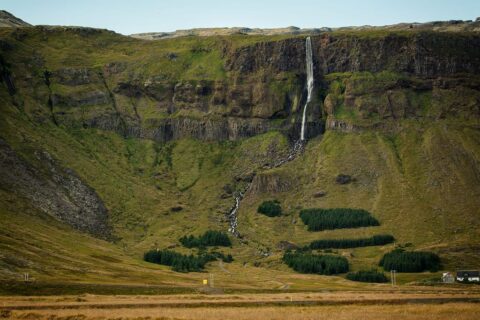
(449, 311)
(339, 296)
(289, 306)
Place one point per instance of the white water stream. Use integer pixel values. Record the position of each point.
(297, 148)
(309, 66)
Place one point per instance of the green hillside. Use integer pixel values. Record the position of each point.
(142, 123)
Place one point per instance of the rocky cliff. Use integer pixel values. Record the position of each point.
(256, 85)
(54, 190)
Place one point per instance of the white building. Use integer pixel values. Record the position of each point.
(468, 276)
(447, 277)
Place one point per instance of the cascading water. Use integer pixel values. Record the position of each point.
(309, 66)
(297, 147)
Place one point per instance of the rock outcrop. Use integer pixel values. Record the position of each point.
(54, 190)
(271, 182)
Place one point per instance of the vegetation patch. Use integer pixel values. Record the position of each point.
(270, 208)
(377, 240)
(318, 264)
(328, 219)
(367, 276)
(409, 261)
(210, 238)
(181, 262)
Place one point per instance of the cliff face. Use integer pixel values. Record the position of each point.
(257, 86)
(395, 76)
(263, 87)
(424, 54)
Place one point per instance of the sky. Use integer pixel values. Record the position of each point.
(135, 16)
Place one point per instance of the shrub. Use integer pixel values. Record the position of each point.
(270, 208)
(327, 219)
(376, 240)
(209, 238)
(228, 258)
(367, 276)
(409, 261)
(319, 264)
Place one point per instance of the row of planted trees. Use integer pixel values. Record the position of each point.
(304, 260)
(210, 238)
(186, 263)
(399, 260)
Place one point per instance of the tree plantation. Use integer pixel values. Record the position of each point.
(409, 261)
(312, 263)
(208, 239)
(376, 240)
(184, 263)
(367, 276)
(328, 219)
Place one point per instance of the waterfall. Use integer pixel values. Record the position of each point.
(232, 214)
(309, 66)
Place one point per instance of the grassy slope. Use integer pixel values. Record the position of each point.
(421, 183)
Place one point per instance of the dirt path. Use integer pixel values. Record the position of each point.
(220, 264)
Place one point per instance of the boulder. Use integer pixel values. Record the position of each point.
(343, 179)
(320, 194)
(286, 245)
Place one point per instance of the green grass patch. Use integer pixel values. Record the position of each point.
(42, 288)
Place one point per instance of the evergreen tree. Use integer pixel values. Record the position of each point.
(209, 239)
(410, 261)
(270, 208)
(376, 240)
(319, 264)
(367, 276)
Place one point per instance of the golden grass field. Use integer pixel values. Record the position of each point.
(420, 304)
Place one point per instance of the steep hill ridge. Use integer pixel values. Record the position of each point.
(450, 26)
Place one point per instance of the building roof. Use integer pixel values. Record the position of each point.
(474, 273)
